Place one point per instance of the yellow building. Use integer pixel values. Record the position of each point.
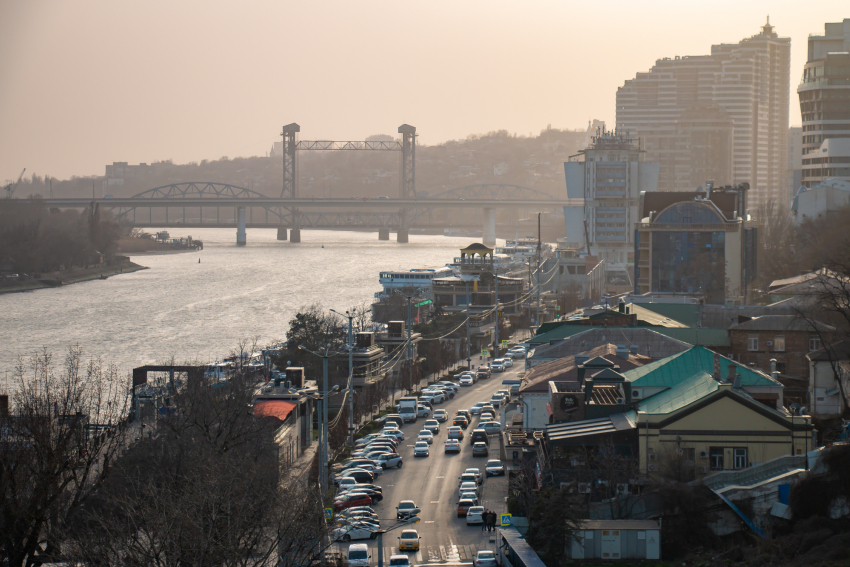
(702, 426)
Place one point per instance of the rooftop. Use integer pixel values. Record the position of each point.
(781, 323)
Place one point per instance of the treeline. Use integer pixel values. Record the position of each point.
(36, 239)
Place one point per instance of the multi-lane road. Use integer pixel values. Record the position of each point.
(432, 483)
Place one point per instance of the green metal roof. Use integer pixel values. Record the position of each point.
(694, 336)
(685, 313)
(686, 392)
(673, 370)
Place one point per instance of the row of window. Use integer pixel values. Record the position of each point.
(778, 343)
(716, 458)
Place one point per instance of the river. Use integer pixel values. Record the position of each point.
(192, 311)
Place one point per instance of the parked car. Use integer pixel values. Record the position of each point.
(494, 467)
(397, 433)
(351, 499)
(491, 427)
(485, 558)
(455, 432)
(394, 418)
(440, 415)
(451, 385)
(365, 440)
(483, 372)
(357, 512)
(466, 381)
(433, 425)
(347, 481)
(475, 515)
(460, 421)
(508, 362)
(406, 509)
(480, 449)
(468, 486)
(355, 463)
(374, 493)
(470, 496)
(409, 540)
(488, 407)
(360, 475)
(421, 449)
(426, 436)
(422, 411)
(463, 506)
(452, 446)
(469, 477)
(387, 460)
(476, 472)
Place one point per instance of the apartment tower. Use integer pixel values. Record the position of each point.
(722, 116)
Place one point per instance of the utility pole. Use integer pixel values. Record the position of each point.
(350, 377)
(496, 335)
(409, 345)
(468, 357)
(325, 402)
(539, 248)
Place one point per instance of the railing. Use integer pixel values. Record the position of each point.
(755, 474)
(726, 227)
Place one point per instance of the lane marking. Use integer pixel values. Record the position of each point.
(435, 501)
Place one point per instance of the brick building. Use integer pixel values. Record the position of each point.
(785, 338)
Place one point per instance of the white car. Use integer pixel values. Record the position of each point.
(437, 396)
(352, 531)
(497, 400)
(387, 460)
(423, 411)
(476, 409)
(485, 558)
(468, 487)
(399, 561)
(497, 367)
(425, 436)
(487, 416)
(421, 449)
(397, 433)
(491, 427)
(476, 472)
(433, 425)
(508, 362)
(451, 385)
(475, 515)
(466, 381)
(439, 415)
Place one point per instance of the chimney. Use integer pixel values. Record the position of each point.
(772, 366)
(716, 374)
(4, 404)
(627, 391)
(633, 349)
(588, 390)
(621, 306)
(580, 368)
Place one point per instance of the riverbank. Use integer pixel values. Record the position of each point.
(67, 277)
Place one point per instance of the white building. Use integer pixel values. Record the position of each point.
(749, 81)
(821, 198)
(610, 180)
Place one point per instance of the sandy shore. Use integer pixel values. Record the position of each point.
(68, 277)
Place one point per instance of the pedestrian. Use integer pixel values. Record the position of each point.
(484, 517)
(489, 520)
(492, 521)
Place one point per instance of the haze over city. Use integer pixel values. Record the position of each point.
(88, 83)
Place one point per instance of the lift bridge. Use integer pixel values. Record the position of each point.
(292, 212)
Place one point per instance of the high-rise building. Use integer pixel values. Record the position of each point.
(794, 167)
(824, 93)
(681, 111)
(610, 180)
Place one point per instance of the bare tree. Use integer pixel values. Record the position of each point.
(57, 445)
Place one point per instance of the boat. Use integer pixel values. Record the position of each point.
(416, 278)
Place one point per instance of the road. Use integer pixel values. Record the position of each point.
(432, 483)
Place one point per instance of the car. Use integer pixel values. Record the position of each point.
(374, 493)
(355, 463)
(485, 558)
(465, 413)
(480, 449)
(351, 499)
(483, 372)
(406, 509)
(366, 439)
(475, 515)
(433, 397)
(387, 460)
(487, 416)
(461, 421)
(463, 506)
(358, 555)
(450, 385)
(440, 415)
(479, 436)
(494, 467)
(393, 418)
(426, 436)
(468, 486)
(347, 481)
(488, 407)
(466, 381)
(358, 512)
(433, 425)
(449, 392)
(427, 401)
(438, 395)
(452, 446)
(469, 477)
(476, 409)
(399, 560)
(397, 433)
(496, 401)
(508, 362)
(421, 449)
(422, 411)
(491, 427)
(409, 540)
(455, 432)
(497, 367)
(360, 475)
(506, 393)
(476, 472)
(470, 496)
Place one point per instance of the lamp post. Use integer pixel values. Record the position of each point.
(350, 315)
(323, 416)
(468, 357)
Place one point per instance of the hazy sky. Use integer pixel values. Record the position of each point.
(86, 83)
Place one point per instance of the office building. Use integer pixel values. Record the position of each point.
(681, 111)
(610, 180)
(824, 93)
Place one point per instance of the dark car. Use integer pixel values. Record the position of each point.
(479, 436)
(394, 418)
(494, 468)
(483, 372)
(460, 421)
(374, 493)
(465, 413)
(480, 450)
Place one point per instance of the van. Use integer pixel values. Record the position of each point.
(407, 409)
(358, 555)
(479, 435)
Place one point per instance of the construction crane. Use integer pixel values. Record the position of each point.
(10, 188)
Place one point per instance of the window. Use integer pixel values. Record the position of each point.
(715, 457)
(814, 343)
(753, 343)
(779, 344)
(780, 367)
(740, 458)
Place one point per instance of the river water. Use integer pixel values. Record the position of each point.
(198, 311)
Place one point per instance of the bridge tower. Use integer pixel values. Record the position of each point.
(408, 161)
(290, 175)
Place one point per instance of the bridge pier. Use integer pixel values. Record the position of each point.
(241, 239)
(402, 236)
(295, 235)
(383, 234)
(281, 233)
(488, 233)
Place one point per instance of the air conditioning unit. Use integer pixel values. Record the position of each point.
(769, 343)
(584, 488)
(703, 454)
(622, 488)
(653, 468)
(636, 394)
(621, 401)
(703, 470)
(653, 457)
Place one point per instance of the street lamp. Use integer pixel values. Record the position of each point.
(323, 417)
(409, 344)
(350, 316)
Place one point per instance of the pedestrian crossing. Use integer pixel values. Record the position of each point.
(453, 554)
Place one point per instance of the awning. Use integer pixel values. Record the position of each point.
(279, 409)
(587, 427)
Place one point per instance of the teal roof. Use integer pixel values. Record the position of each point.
(686, 392)
(694, 336)
(685, 313)
(673, 370)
